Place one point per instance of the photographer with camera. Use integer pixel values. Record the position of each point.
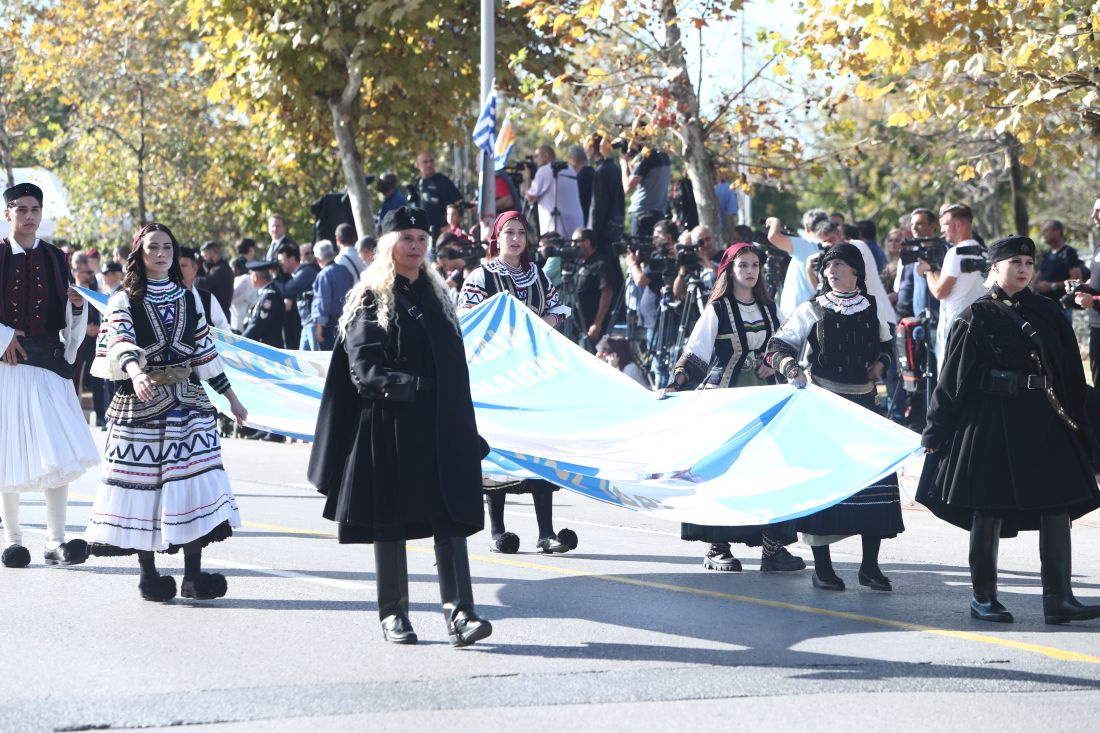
(646, 173)
(1060, 265)
(598, 281)
(607, 215)
(554, 190)
(960, 279)
(695, 259)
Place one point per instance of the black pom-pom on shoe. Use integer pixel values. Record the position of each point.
(206, 587)
(568, 538)
(16, 556)
(507, 543)
(73, 552)
(160, 589)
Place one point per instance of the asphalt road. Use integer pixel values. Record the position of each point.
(628, 632)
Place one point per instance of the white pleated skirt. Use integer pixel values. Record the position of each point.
(44, 436)
(162, 486)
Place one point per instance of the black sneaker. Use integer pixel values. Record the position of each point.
(782, 562)
(720, 558)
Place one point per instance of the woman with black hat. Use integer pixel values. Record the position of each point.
(397, 451)
(1007, 437)
(849, 349)
(726, 349)
(509, 269)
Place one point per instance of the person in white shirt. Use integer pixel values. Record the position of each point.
(245, 295)
(554, 188)
(955, 288)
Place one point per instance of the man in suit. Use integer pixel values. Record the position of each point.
(276, 227)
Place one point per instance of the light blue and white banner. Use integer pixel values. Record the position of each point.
(549, 409)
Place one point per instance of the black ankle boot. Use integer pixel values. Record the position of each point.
(719, 557)
(1059, 604)
(464, 626)
(985, 538)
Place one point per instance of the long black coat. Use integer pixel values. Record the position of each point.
(1007, 456)
(399, 470)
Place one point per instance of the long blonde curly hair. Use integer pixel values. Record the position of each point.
(378, 279)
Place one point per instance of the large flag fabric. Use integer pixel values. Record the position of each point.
(506, 139)
(549, 409)
(485, 127)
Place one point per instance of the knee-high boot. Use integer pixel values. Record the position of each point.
(985, 537)
(391, 571)
(1059, 605)
(456, 590)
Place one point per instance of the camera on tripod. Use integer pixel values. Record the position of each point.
(566, 250)
(641, 247)
(687, 256)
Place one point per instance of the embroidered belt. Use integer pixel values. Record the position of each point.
(169, 375)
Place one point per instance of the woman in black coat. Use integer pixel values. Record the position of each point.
(1006, 436)
(397, 451)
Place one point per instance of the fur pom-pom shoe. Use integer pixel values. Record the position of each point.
(206, 587)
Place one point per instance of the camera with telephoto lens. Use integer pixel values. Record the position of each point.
(470, 254)
(978, 262)
(557, 247)
(922, 248)
(641, 247)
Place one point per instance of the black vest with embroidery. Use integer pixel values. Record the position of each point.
(534, 295)
(731, 344)
(842, 346)
(167, 331)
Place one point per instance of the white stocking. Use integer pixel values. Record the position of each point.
(9, 512)
(56, 504)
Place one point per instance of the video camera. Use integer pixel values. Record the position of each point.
(567, 251)
(687, 255)
(642, 247)
(922, 248)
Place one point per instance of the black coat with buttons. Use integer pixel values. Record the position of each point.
(1008, 456)
(396, 470)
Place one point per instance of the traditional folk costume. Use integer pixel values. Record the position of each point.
(530, 285)
(725, 348)
(1009, 440)
(397, 453)
(44, 437)
(845, 335)
(163, 485)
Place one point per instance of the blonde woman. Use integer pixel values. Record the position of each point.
(397, 451)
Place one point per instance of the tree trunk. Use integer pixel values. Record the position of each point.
(5, 147)
(350, 159)
(142, 221)
(1019, 192)
(697, 157)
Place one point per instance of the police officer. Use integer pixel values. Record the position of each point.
(265, 317)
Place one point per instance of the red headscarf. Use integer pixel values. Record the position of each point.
(731, 253)
(494, 247)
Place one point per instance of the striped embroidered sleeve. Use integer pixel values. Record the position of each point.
(205, 363)
(473, 290)
(117, 344)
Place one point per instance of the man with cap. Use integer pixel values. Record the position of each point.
(265, 318)
(849, 348)
(44, 438)
(112, 277)
(1008, 439)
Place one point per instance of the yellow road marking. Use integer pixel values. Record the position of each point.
(1064, 655)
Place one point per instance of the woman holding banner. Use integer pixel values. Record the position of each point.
(397, 451)
(849, 348)
(509, 269)
(726, 349)
(163, 488)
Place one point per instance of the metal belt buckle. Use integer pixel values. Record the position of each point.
(1038, 383)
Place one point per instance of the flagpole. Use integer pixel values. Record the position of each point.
(486, 171)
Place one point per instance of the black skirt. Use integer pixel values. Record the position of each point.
(748, 534)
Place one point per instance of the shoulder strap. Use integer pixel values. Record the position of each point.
(412, 309)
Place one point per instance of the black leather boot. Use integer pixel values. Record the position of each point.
(391, 571)
(985, 539)
(1059, 605)
(456, 589)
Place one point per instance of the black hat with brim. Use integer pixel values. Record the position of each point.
(1013, 246)
(20, 190)
(261, 265)
(112, 267)
(405, 217)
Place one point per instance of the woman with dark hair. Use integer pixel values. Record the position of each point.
(726, 349)
(163, 487)
(509, 269)
(397, 452)
(617, 351)
(1008, 436)
(849, 348)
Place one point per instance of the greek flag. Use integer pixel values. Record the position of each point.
(485, 129)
